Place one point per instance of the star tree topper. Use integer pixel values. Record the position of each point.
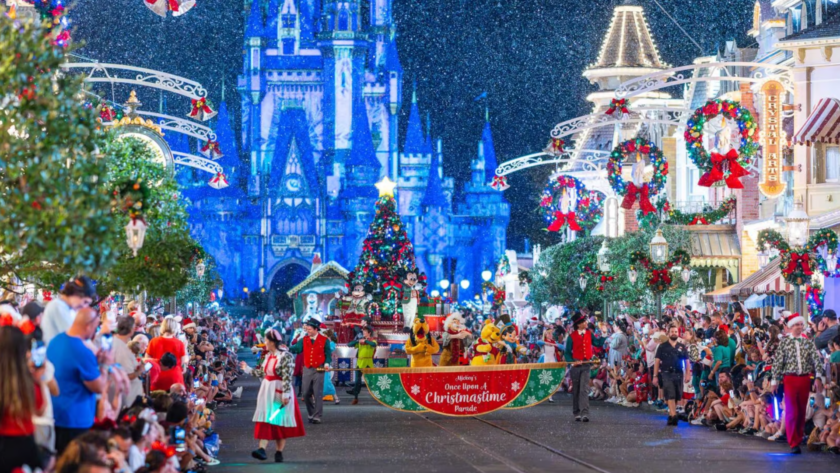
(386, 187)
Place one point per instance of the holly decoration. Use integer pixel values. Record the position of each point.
(556, 147)
(628, 149)
(584, 214)
(815, 295)
(618, 105)
(387, 253)
(590, 268)
(729, 167)
(659, 277)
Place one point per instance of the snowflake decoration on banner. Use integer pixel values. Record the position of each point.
(399, 405)
(384, 383)
(415, 390)
(344, 365)
(546, 377)
(531, 400)
(375, 394)
(515, 386)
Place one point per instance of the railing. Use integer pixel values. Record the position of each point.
(695, 206)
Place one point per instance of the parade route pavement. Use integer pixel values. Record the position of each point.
(369, 437)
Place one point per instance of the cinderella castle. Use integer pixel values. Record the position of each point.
(321, 92)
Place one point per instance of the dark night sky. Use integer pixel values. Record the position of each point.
(527, 54)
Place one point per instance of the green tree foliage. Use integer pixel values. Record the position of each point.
(54, 211)
(556, 276)
(198, 289)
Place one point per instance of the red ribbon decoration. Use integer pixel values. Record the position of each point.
(660, 275)
(698, 220)
(802, 260)
(717, 172)
(560, 219)
(173, 5)
(617, 105)
(557, 145)
(642, 193)
(200, 105)
(212, 146)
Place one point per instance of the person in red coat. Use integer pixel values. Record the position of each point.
(579, 346)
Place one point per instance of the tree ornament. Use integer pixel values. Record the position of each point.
(212, 150)
(619, 105)
(500, 183)
(556, 147)
(177, 7)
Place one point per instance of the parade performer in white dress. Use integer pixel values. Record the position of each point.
(277, 415)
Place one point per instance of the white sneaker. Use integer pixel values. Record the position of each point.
(238, 393)
(775, 436)
(697, 421)
(612, 399)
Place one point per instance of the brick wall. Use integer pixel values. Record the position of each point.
(630, 223)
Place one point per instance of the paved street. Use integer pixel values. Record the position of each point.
(370, 438)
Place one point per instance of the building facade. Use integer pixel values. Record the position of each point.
(321, 91)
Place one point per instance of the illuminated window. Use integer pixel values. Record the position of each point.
(832, 163)
(287, 21)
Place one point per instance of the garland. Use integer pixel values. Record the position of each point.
(130, 197)
(630, 191)
(815, 295)
(717, 167)
(659, 275)
(589, 267)
(588, 209)
(708, 216)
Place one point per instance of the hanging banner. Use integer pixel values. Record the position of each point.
(464, 390)
(771, 184)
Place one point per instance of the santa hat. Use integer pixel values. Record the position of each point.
(794, 319)
(188, 323)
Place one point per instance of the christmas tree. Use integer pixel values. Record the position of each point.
(386, 256)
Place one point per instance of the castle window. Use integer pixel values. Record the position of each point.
(287, 21)
(795, 19)
(810, 13)
(343, 20)
(288, 46)
(829, 8)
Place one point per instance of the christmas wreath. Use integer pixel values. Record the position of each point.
(498, 293)
(815, 295)
(587, 210)
(823, 237)
(659, 275)
(729, 167)
(631, 192)
(798, 262)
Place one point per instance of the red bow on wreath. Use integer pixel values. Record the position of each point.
(802, 260)
(642, 193)
(719, 162)
(561, 219)
(617, 105)
(660, 275)
(698, 220)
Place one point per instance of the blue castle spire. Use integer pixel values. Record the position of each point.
(363, 153)
(490, 162)
(414, 141)
(227, 143)
(254, 27)
(434, 196)
(392, 59)
(428, 148)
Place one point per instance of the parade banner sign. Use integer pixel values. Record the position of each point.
(464, 390)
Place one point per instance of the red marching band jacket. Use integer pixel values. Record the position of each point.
(313, 352)
(582, 345)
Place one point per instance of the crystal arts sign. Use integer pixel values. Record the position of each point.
(771, 184)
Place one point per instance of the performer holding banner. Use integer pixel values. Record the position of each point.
(317, 353)
(579, 345)
(277, 415)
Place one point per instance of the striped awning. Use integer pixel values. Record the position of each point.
(767, 280)
(822, 126)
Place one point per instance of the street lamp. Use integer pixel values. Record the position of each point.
(632, 275)
(444, 284)
(486, 275)
(435, 293)
(659, 248)
(465, 284)
(686, 274)
(582, 282)
(199, 269)
(221, 292)
(763, 258)
(604, 265)
(798, 225)
(659, 255)
(135, 233)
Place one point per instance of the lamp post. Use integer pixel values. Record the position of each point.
(200, 268)
(582, 282)
(658, 255)
(798, 226)
(486, 275)
(604, 265)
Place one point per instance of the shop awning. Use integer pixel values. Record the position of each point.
(719, 295)
(822, 125)
(767, 280)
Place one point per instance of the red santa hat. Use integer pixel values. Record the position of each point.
(794, 319)
(188, 323)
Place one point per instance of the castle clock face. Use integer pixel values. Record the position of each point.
(293, 184)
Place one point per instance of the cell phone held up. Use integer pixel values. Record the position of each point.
(106, 342)
(38, 353)
(177, 437)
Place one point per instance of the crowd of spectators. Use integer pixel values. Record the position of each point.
(108, 388)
